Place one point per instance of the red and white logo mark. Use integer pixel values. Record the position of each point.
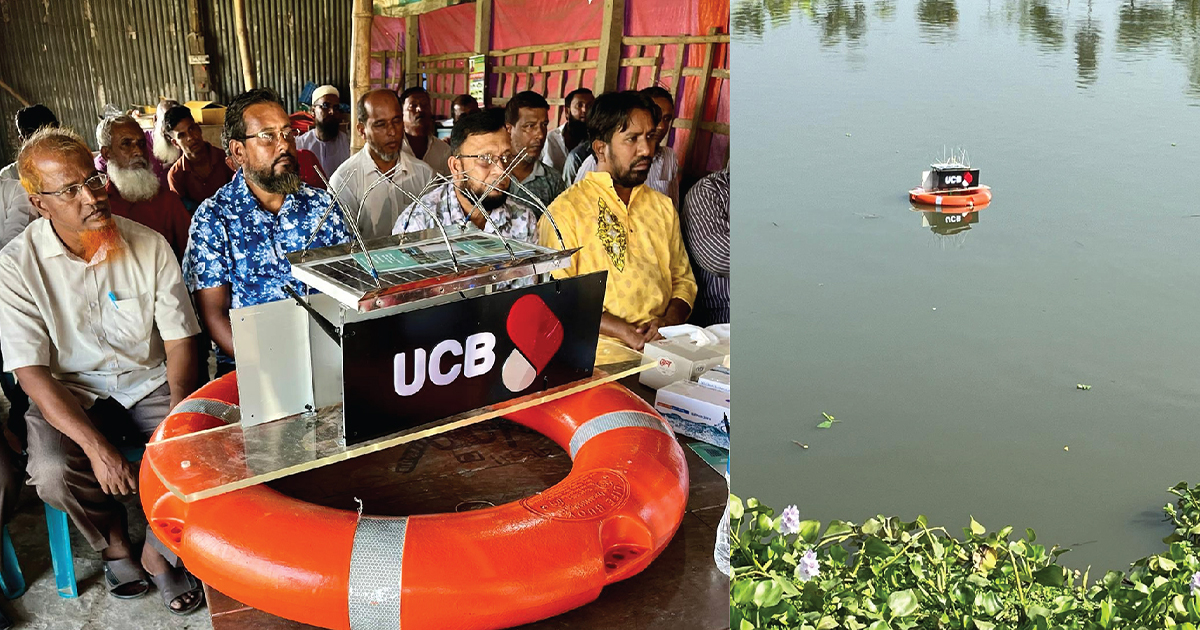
(537, 335)
(967, 178)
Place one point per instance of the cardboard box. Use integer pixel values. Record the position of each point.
(678, 359)
(716, 378)
(206, 112)
(695, 411)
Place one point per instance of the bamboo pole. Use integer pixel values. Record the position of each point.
(412, 74)
(360, 64)
(611, 30)
(243, 43)
(23, 102)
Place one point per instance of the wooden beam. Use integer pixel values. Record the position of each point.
(701, 96)
(681, 39)
(520, 50)
(395, 9)
(243, 43)
(195, 48)
(412, 75)
(611, 29)
(22, 101)
(360, 64)
(483, 26)
(444, 57)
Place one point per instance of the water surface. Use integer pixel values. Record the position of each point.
(951, 356)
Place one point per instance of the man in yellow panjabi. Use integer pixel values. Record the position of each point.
(625, 227)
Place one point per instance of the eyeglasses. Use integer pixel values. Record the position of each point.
(96, 183)
(492, 160)
(271, 137)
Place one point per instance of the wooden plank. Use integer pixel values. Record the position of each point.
(411, 74)
(445, 56)
(678, 73)
(587, 43)
(636, 62)
(720, 73)
(712, 127)
(637, 68)
(701, 97)
(398, 10)
(483, 26)
(195, 46)
(360, 64)
(579, 75)
(657, 64)
(680, 39)
(611, 29)
(554, 67)
(441, 70)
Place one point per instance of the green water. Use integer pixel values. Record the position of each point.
(952, 360)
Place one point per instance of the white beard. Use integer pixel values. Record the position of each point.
(134, 184)
(166, 152)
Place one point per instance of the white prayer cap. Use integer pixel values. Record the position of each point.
(324, 90)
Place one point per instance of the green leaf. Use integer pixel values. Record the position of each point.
(1053, 576)
(990, 603)
(1106, 612)
(1112, 580)
(827, 623)
(825, 425)
(976, 528)
(903, 603)
(1166, 564)
(984, 625)
(767, 593)
(1030, 535)
(837, 527)
(743, 592)
(746, 624)
(875, 547)
(809, 531)
(736, 509)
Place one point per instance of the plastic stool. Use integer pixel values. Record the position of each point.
(12, 581)
(58, 526)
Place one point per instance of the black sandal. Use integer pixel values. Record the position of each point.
(176, 583)
(125, 579)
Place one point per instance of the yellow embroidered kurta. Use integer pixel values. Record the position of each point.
(640, 246)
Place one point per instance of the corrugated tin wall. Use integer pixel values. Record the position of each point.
(78, 55)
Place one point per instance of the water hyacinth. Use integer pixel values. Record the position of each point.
(789, 522)
(808, 568)
(1195, 582)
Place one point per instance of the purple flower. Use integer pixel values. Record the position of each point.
(808, 568)
(790, 521)
(1195, 582)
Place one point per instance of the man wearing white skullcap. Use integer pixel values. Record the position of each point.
(326, 139)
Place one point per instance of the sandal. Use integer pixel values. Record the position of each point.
(176, 583)
(125, 579)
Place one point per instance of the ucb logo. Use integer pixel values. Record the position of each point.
(954, 179)
(533, 329)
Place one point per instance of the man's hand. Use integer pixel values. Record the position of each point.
(115, 474)
(650, 330)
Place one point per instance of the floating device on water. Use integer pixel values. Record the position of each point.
(951, 183)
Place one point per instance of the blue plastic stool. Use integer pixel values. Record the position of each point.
(12, 581)
(58, 526)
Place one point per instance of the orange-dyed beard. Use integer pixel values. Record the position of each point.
(101, 244)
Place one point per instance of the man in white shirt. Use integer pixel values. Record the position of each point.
(482, 151)
(419, 140)
(100, 330)
(568, 135)
(381, 124)
(326, 139)
(664, 169)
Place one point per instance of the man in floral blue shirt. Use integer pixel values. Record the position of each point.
(240, 236)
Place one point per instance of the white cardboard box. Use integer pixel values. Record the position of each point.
(716, 378)
(678, 359)
(695, 411)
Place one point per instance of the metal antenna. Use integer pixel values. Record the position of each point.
(492, 187)
(545, 210)
(336, 195)
(416, 201)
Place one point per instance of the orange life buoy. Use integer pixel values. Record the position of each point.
(490, 568)
(973, 198)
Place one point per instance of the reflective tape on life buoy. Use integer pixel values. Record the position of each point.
(945, 199)
(491, 568)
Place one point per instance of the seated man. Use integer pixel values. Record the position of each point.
(705, 216)
(134, 191)
(328, 144)
(664, 169)
(156, 165)
(419, 138)
(481, 152)
(381, 124)
(27, 121)
(241, 235)
(564, 138)
(462, 105)
(625, 227)
(202, 169)
(527, 116)
(98, 327)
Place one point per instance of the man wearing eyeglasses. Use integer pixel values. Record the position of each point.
(202, 169)
(100, 331)
(325, 139)
(240, 236)
(381, 180)
(624, 226)
(481, 194)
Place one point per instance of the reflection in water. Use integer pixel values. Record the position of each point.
(838, 20)
(946, 223)
(1043, 23)
(937, 18)
(1087, 47)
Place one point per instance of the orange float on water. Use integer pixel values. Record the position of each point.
(965, 198)
(492, 568)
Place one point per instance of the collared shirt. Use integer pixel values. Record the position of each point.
(194, 189)
(235, 242)
(15, 210)
(436, 155)
(640, 246)
(663, 176)
(554, 153)
(705, 217)
(513, 220)
(164, 213)
(544, 182)
(331, 154)
(575, 158)
(98, 328)
(10, 172)
(384, 203)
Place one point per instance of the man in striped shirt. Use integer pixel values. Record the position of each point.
(706, 232)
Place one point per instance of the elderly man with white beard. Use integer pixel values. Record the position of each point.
(161, 146)
(134, 190)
